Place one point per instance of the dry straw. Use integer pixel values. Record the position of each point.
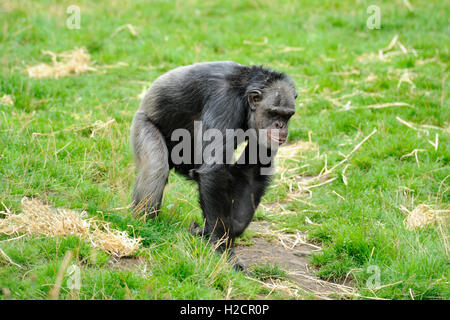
(7, 100)
(38, 218)
(293, 150)
(63, 64)
(422, 216)
(304, 184)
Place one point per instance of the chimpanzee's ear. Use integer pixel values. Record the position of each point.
(254, 97)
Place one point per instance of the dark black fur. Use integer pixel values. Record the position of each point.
(217, 94)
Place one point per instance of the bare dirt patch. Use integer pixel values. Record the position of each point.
(126, 264)
(291, 256)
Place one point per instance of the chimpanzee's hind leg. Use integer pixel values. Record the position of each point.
(152, 163)
(215, 186)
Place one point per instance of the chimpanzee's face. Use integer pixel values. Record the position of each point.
(272, 109)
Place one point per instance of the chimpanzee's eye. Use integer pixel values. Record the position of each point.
(273, 113)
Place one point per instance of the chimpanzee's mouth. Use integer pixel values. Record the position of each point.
(278, 140)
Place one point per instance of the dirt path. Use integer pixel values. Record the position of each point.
(290, 254)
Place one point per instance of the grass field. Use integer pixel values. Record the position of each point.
(53, 147)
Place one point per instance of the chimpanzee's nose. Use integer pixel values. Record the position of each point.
(279, 125)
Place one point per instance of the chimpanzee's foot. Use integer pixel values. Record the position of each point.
(196, 230)
(144, 209)
(238, 264)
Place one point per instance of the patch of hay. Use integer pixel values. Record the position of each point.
(289, 165)
(290, 49)
(41, 219)
(7, 100)
(67, 63)
(422, 216)
(284, 286)
(377, 106)
(129, 27)
(253, 43)
(291, 150)
(385, 54)
(301, 185)
(423, 128)
(98, 125)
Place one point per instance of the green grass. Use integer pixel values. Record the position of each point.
(70, 169)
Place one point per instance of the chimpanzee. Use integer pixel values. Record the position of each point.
(219, 95)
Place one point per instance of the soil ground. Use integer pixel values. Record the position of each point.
(294, 261)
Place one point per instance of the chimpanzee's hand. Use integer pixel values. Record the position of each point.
(196, 230)
(238, 264)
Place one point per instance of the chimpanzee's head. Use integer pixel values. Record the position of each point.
(270, 109)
